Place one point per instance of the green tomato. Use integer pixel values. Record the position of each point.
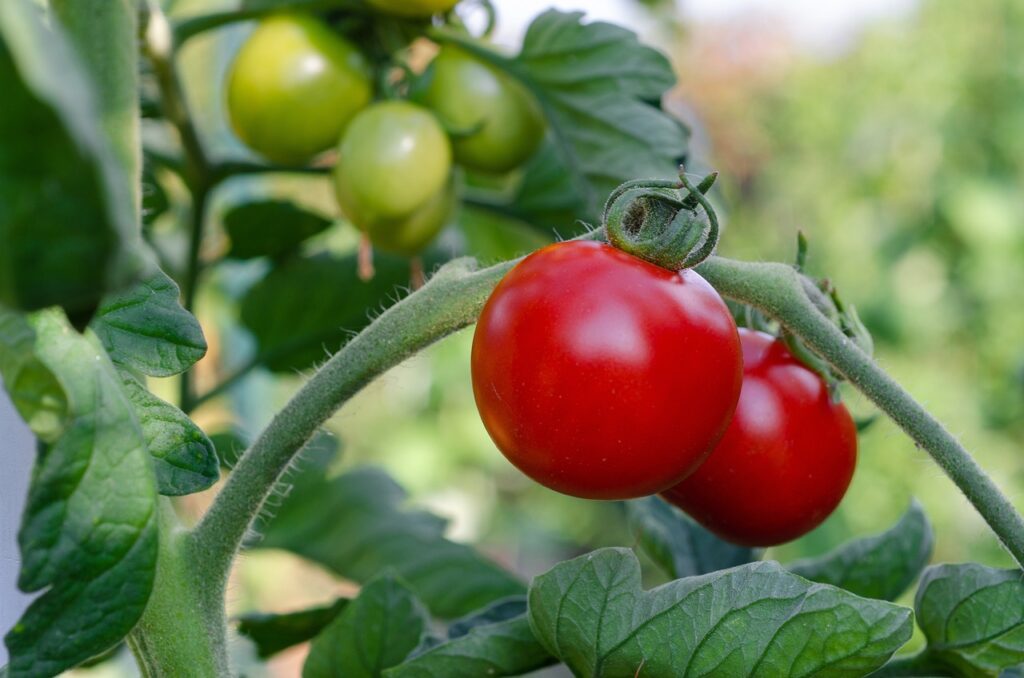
(503, 122)
(413, 8)
(393, 162)
(293, 88)
(410, 234)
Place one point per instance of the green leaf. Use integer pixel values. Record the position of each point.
(753, 620)
(275, 632)
(506, 648)
(489, 236)
(335, 305)
(498, 611)
(679, 546)
(354, 525)
(882, 566)
(67, 218)
(973, 617)
(229, 445)
(270, 228)
(184, 459)
(375, 631)
(34, 389)
(88, 536)
(145, 329)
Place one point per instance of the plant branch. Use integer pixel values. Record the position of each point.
(779, 291)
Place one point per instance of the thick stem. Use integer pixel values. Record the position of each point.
(778, 290)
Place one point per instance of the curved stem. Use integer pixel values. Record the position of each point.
(779, 291)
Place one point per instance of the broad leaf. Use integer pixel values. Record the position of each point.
(498, 611)
(679, 546)
(354, 525)
(973, 617)
(270, 228)
(506, 648)
(752, 620)
(374, 632)
(34, 389)
(184, 459)
(882, 566)
(67, 219)
(272, 633)
(88, 536)
(335, 304)
(145, 329)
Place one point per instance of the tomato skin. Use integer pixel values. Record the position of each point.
(410, 234)
(413, 8)
(293, 87)
(785, 461)
(602, 376)
(467, 94)
(394, 166)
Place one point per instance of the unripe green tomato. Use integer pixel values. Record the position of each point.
(394, 161)
(504, 120)
(409, 235)
(293, 88)
(413, 8)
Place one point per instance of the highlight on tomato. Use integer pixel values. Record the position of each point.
(600, 375)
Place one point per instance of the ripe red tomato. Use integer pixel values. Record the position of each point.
(603, 376)
(786, 459)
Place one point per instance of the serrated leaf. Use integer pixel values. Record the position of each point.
(354, 525)
(679, 546)
(270, 228)
(272, 633)
(506, 648)
(33, 388)
(88, 536)
(184, 459)
(145, 329)
(67, 217)
(973, 617)
(498, 611)
(753, 620)
(374, 632)
(335, 305)
(882, 566)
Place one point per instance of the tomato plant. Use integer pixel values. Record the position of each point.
(605, 364)
(395, 162)
(786, 459)
(497, 122)
(294, 86)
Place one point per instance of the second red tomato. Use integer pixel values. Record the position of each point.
(786, 460)
(600, 375)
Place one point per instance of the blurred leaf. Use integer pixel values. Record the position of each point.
(270, 228)
(353, 524)
(296, 335)
(184, 459)
(973, 617)
(33, 388)
(755, 619)
(504, 648)
(67, 218)
(492, 237)
(154, 198)
(498, 611)
(229, 446)
(272, 633)
(145, 329)
(882, 566)
(679, 546)
(375, 631)
(88, 536)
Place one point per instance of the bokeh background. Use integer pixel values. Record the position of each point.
(890, 132)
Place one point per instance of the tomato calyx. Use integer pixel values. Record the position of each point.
(667, 223)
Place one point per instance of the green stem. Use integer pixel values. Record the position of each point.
(779, 291)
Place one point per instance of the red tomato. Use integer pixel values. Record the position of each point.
(603, 376)
(785, 461)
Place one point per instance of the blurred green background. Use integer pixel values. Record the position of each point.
(898, 152)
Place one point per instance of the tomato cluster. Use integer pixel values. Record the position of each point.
(603, 376)
(299, 88)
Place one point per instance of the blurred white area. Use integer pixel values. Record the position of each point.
(817, 26)
(18, 453)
